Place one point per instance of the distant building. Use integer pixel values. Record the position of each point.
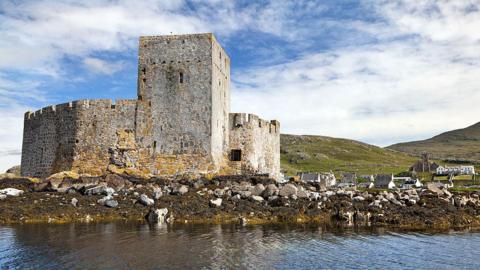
(368, 177)
(457, 170)
(384, 181)
(412, 183)
(349, 179)
(365, 185)
(324, 179)
(424, 165)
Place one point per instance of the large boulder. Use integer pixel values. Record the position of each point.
(145, 200)
(180, 190)
(15, 170)
(216, 202)
(258, 190)
(115, 181)
(111, 203)
(270, 190)
(157, 193)
(288, 190)
(157, 215)
(11, 192)
(432, 187)
(63, 175)
(256, 198)
(100, 190)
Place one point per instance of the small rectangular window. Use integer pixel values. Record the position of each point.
(236, 155)
(181, 77)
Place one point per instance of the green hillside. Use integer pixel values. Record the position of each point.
(319, 153)
(460, 144)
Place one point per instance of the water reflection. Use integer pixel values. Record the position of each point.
(140, 246)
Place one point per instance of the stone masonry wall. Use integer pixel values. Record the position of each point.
(220, 103)
(48, 140)
(104, 131)
(259, 142)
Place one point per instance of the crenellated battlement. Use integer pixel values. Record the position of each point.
(82, 104)
(239, 120)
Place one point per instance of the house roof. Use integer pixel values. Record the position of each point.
(309, 176)
(383, 179)
(349, 177)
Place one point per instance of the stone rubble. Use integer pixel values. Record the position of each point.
(227, 194)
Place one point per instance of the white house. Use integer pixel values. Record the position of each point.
(457, 170)
(412, 183)
(384, 181)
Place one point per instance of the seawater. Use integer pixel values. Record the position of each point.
(140, 246)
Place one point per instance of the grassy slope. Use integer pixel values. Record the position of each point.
(318, 153)
(456, 144)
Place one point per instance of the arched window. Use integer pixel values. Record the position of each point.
(181, 77)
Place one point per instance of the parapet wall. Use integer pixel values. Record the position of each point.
(73, 136)
(259, 143)
(49, 139)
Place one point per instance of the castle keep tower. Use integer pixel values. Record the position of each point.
(180, 123)
(186, 80)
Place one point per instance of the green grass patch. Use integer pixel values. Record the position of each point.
(323, 154)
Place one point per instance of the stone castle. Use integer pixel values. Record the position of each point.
(180, 124)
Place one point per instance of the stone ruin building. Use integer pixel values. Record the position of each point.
(180, 124)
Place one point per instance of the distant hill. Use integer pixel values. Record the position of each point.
(321, 154)
(460, 144)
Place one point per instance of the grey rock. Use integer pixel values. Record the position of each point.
(358, 199)
(245, 194)
(411, 202)
(433, 188)
(74, 202)
(256, 198)
(111, 203)
(104, 199)
(115, 181)
(219, 192)
(14, 170)
(198, 184)
(157, 193)
(315, 196)
(236, 197)
(216, 202)
(270, 190)
(11, 192)
(302, 194)
(145, 200)
(180, 190)
(157, 216)
(273, 198)
(288, 190)
(460, 201)
(258, 189)
(100, 190)
(3, 197)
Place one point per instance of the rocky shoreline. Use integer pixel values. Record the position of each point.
(67, 197)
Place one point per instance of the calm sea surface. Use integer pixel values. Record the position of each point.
(139, 246)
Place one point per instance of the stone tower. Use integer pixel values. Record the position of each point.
(186, 79)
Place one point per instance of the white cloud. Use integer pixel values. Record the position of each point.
(412, 83)
(101, 66)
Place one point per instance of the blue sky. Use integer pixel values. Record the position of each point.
(376, 71)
